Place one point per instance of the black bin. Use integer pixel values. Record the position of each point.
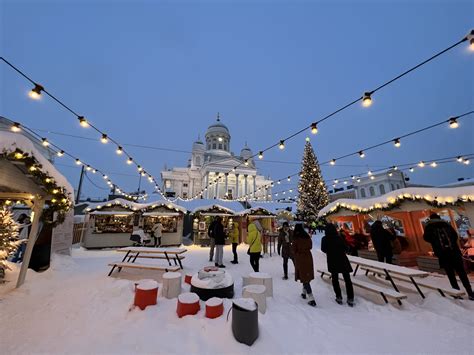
(244, 324)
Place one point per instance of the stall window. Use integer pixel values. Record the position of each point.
(382, 189)
(169, 223)
(113, 224)
(362, 193)
(372, 191)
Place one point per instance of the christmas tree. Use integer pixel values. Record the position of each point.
(8, 236)
(313, 195)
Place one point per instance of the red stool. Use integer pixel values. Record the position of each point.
(146, 292)
(188, 304)
(187, 279)
(214, 307)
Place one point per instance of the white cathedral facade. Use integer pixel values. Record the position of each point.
(212, 159)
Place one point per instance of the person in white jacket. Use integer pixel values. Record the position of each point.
(157, 233)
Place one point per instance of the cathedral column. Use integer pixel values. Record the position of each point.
(237, 185)
(226, 185)
(254, 186)
(246, 184)
(206, 183)
(217, 186)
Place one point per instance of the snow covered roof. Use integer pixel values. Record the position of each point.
(10, 141)
(198, 205)
(134, 206)
(431, 195)
(275, 207)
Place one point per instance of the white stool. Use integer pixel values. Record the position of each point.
(262, 278)
(246, 281)
(257, 293)
(171, 284)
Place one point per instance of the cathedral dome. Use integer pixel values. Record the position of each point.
(246, 152)
(218, 138)
(198, 145)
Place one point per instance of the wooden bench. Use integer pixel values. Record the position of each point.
(384, 292)
(121, 265)
(446, 290)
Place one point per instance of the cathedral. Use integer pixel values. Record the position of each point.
(211, 159)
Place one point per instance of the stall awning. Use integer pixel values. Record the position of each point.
(112, 213)
(216, 214)
(160, 214)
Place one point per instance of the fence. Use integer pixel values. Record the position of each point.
(79, 229)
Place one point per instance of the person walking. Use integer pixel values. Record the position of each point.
(382, 241)
(157, 232)
(212, 242)
(444, 241)
(254, 240)
(219, 238)
(284, 247)
(24, 232)
(235, 241)
(304, 269)
(333, 245)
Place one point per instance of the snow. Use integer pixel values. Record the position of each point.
(212, 282)
(197, 205)
(274, 206)
(147, 285)
(440, 194)
(188, 298)
(10, 141)
(246, 303)
(135, 206)
(171, 275)
(75, 308)
(259, 275)
(255, 288)
(214, 302)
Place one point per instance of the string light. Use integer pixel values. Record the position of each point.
(119, 150)
(88, 168)
(288, 178)
(44, 142)
(367, 99)
(78, 162)
(35, 93)
(83, 122)
(361, 154)
(129, 160)
(412, 170)
(105, 177)
(314, 128)
(397, 143)
(139, 168)
(15, 127)
(372, 177)
(369, 173)
(434, 164)
(60, 153)
(282, 144)
(460, 159)
(260, 155)
(333, 162)
(453, 123)
(421, 164)
(466, 161)
(104, 139)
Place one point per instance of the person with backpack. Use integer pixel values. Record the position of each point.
(333, 245)
(254, 240)
(212, 242)
(444, 241)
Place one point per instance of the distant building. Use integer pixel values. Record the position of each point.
(379, 184)
(211, 159)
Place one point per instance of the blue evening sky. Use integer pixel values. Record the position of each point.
(155, 73)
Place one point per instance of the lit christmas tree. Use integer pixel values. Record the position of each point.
(313, 194)
(8, 237)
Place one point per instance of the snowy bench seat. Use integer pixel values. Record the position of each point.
(430, 284)
(121, 265)
(383, 291)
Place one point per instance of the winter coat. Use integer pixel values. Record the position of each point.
(381, 239)
(219, 234)
(157, 230)
(254, 239)
(304, 269)
(235, 234)
(443, 239)
(210, 230)
(335, 249)
(284, 244)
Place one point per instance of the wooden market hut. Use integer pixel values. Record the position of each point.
(26, 176)
(171, 217)
(407, 210)
(203, 216)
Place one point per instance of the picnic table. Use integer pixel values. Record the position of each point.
(390, 271)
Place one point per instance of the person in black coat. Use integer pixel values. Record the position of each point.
(444, 241)
(285, 238)
(212, 241)
(382, 241)
(334, 246)
(219, 237)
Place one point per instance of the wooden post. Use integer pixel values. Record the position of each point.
(37, 209)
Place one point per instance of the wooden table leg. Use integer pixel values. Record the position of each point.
(391, 280)
(125, 257)
(417, 287)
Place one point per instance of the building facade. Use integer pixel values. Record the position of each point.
(211, 159)
(378, 184)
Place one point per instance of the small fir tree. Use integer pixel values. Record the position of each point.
(8, 236)
(313, 195)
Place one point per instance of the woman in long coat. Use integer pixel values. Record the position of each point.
(382, 241)
(304, 269)
(333, 245)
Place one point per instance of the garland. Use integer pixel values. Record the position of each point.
(60, 203)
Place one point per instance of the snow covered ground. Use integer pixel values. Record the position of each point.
(75, 308)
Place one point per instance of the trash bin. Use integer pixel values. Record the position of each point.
(245, 320)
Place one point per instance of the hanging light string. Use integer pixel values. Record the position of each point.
(452, 122)
(464, 159)
(59, 152)
(104, 137)
(365, 99)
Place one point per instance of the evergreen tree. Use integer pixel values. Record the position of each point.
(313, 194)
(8, 236)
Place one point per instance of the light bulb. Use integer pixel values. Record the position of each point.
(246, 162)
(282, 144)
(15, 127)
(433, 164)
(314, 128)
(460, 159)
(361, 154)
(219, 139)
(372, 177)
(333, 162)
(119, 150)
(260, 155)
(366, 99)
(453, 122)
(129, 160)
(104, 138)
(421, 164)
(44, 142)
(336, 181)
(397, 143)
(35, 93)
(139, 168)
(466, 161)
(60, 153)
(471, 44)
(105, 177)
(88, 168)
(83, 122)
(288, 178)
(412, 170)
(369, 173)
(78, 162)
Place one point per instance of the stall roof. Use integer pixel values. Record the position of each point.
(197, 205)
(274, 206)
(437, 196)
(10, 141)
(134, 206)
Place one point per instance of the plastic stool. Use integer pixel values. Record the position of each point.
(258, 294)
(188, 304)
(214, 307)
(187, 278)
(146, 292)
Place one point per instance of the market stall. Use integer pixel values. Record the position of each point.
(202, 218)
(268, 222)
(405, 212)
(171, 218)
